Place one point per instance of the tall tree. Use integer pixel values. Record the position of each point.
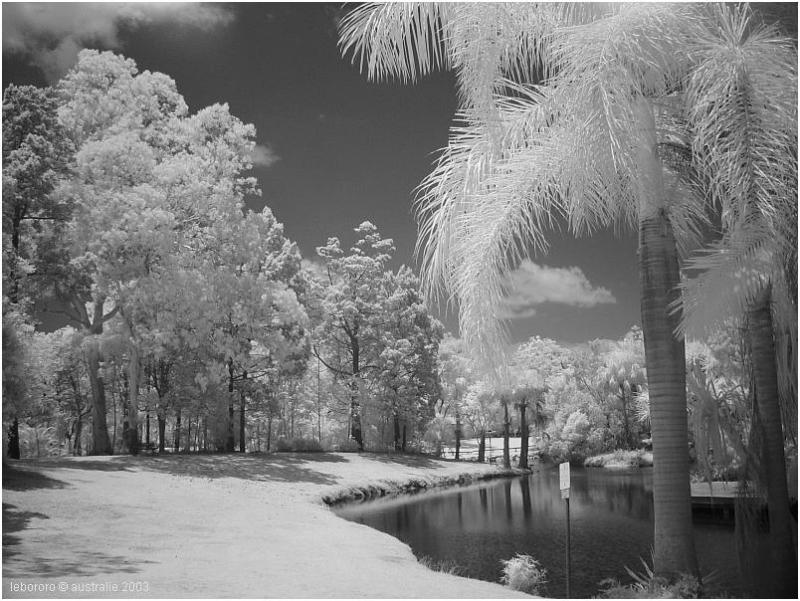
(152, 182)
(350, 306)
(741, 116)
(36, 155)
(581, 144)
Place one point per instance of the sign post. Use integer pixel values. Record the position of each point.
(563, 472)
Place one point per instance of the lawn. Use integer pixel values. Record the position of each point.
(213, 526)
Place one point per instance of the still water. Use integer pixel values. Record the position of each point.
(611, 524)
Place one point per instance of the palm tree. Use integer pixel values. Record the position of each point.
(581, 145)
(742, 120)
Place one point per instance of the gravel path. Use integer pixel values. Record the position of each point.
(212, 526)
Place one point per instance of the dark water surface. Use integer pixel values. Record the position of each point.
(611, 519)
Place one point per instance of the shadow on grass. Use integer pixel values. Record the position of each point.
(283, 467)
(15, 521)
(79, 562)
(420, 461)
(115, 463)
(17, 478)
(279, 467)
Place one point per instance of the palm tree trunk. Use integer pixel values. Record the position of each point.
(506, 450)
(674, 550)
(783, 580)
(523, 436)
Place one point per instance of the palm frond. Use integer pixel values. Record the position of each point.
(401, 40)
(731, 273)
(603, 66)
(742, 110)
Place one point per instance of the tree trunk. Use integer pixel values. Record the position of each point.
(188, 448)
(523, 436)
(242, 442)
(397, 443)
(78, 434)
(13, 439)
(404, 438)
(269, 433)
(782, 581)
(230, 442)
(482, 447)
(674, 550)
(625, 423)
(162, 430)
(355, 417)
(101, 445)
(147, 430)
(506, 427)
(177, 435)
(355, 409)
(458, 434)
(319, 404)
(132, 440)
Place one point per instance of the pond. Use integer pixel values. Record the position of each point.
(611, 518)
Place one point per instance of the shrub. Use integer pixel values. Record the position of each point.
(446, 566)
(523, 573)
(298, 445)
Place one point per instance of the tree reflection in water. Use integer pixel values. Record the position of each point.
(611, 518)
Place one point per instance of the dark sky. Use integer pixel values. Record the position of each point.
(349, 150)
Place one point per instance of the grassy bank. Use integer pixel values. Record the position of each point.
(218, 526)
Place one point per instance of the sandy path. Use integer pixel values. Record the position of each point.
(211, 526)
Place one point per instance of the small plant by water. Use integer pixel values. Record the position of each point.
(523, 573)
(646, 585)
(446, 566)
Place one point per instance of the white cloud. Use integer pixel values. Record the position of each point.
(264, 156)
(532, 285)
(52, 34)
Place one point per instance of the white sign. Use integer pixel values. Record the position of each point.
(563, 472)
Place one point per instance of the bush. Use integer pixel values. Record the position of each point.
(621, 459)
(348, 446)
(298, 445)
(523, 573)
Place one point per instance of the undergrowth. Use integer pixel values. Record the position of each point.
(647, 585)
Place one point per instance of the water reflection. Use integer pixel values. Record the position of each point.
(611, 515)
